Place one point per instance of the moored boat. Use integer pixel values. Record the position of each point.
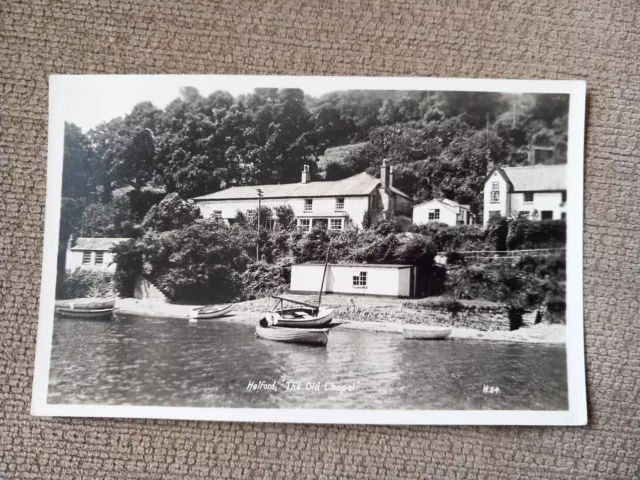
(96, 308)
(424, 332)
(300, 317)
(209, 312)
(103, 313)
(310, 336)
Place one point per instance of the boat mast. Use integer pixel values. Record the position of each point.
(326, 264)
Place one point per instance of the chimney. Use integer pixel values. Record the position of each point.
(384, 173)
(69, 243)
(306, 176)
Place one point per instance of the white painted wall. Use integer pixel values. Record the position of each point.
(549, 201)
(421, 213)
(354, 206)
(503, 206)
(389, 281)
(74, 261)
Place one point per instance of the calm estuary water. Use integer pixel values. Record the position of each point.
(168, 362)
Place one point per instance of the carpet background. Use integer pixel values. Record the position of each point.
(596, 41)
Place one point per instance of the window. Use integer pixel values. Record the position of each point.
(360, 280)
(339, 204)
(434, 214)
(523, 214)
(217, 214)
(564, 196)
(251, 215)
(563, 216)
(335, 224)
(528, 197)
(304, 224)
(546, 215)
(308, 205)
(495, 186)
(86, 258)
(495, 196)
(99, 258)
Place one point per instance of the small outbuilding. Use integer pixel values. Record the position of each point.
(355, 279)
(442, 211)
(91, 253)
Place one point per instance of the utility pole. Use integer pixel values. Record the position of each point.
(258, 239)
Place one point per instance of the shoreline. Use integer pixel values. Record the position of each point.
(252, 311)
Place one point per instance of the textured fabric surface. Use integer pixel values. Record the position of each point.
(596, 41)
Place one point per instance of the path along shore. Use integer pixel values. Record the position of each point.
(254, 309)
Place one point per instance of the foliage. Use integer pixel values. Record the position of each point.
(82, 283)
(171, 213)
(525, 234)
(128, 260)
(261, 279)
(199, 263)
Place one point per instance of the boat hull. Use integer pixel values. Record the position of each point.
(300, 317)
(101, 314)
(209, 312)
(317, 337)
(87, 303)
(426, 333)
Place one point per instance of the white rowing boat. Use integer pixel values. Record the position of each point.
(424, 332)
(209, 312)
(300, 317)
(104, 313)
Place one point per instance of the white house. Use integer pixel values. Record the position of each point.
(91, 254)
(537, 191)
(355, 279)
(442, 211)
(333, 205)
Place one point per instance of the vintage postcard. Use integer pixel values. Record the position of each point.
(313, 249)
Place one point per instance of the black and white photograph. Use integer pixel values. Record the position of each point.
(313, 249)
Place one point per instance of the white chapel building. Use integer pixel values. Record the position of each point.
(334, 205)
(538, 192)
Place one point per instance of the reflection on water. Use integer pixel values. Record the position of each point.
(168, 362)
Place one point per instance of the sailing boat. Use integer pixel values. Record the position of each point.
(300, 315)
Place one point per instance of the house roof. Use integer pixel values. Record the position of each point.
(450, 204)
(105, 244)
(360, 184)
(537, 178)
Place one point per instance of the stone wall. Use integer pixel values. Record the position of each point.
(144, 290)
(484, 318)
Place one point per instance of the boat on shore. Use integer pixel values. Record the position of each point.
(309, 336)
(95, 308)
(424, 332)
(209, 312)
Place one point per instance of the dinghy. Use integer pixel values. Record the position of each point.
(209, 312)
(423, 332)
(97, 308)
(309, 336)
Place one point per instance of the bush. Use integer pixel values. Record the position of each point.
(525, 234)
(447, 238)
(496, 235)
(261, 279)
(171, 213)
(128, 260)
(84, 283)
(201, 263)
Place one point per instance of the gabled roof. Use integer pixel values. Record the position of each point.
(534, 178)
(104, 244)
(445, 202)
(360, 184)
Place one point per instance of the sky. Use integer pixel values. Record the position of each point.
(91, 99)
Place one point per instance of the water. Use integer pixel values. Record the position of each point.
(169, 362)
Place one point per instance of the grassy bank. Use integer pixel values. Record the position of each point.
(345, 305)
